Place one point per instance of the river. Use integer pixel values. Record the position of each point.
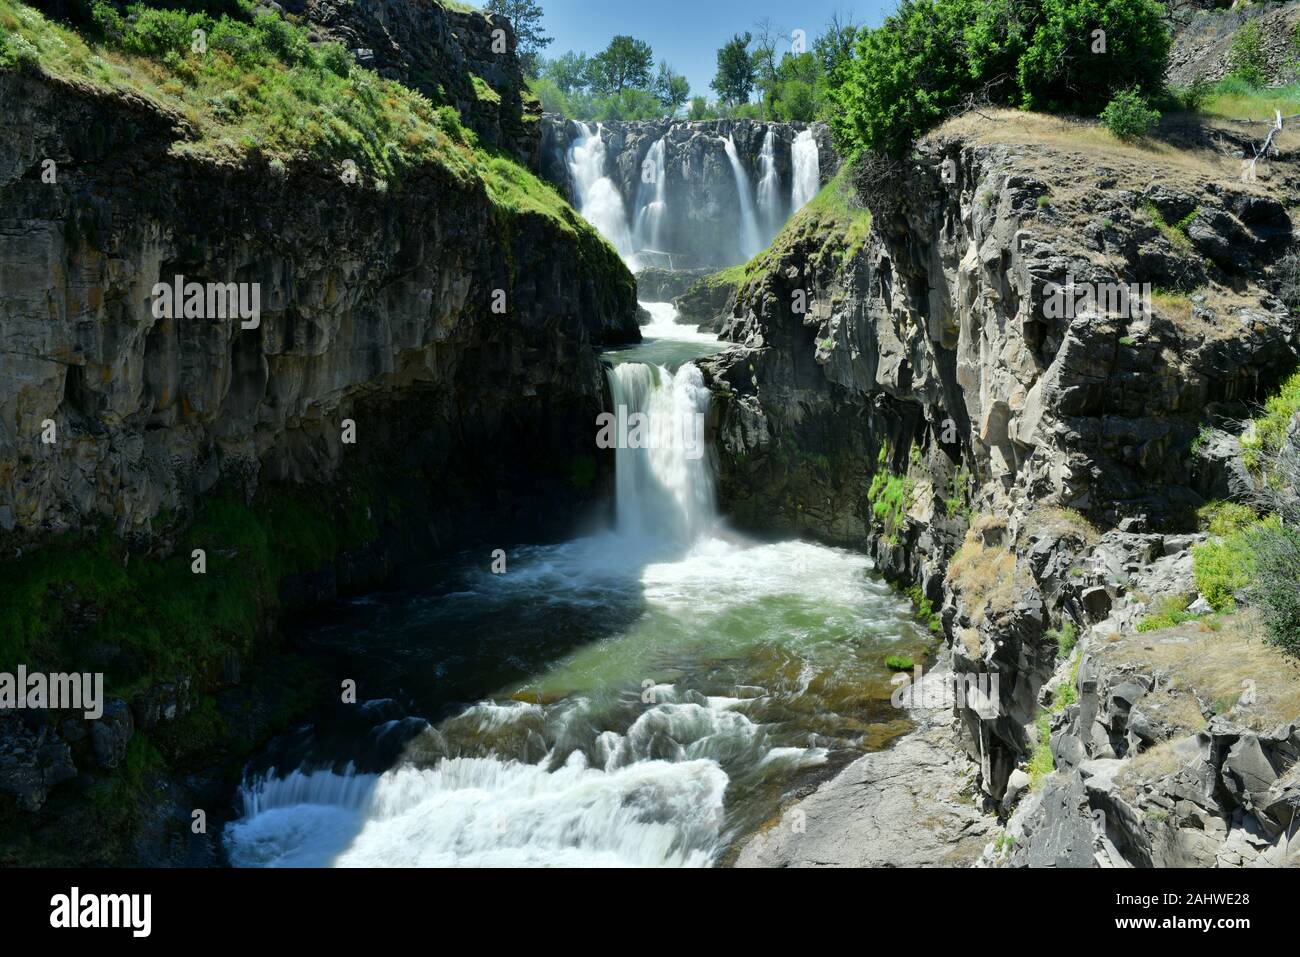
(643, 695)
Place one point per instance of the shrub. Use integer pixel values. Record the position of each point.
(1224, 518)
(335, 58)
(1221, 568)
(1274, 587)
(159, 32)
(1170, 612)
(1129, 116)
(1067, 636)
(1041, 763)
(899, 663)
(1246, 58)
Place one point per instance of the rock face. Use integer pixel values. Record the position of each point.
(370, 302)
(1144, 779)
(1203, 40)
(704, 220)
(455, 56)
(1020, 465)
(909, 806)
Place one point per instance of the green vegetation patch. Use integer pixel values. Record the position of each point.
(152, 617)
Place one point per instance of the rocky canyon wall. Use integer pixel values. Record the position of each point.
(1021, 465)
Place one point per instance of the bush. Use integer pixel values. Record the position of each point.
(1274, 587)
(899, 663)
(156, 33)
(1129, 116)
(1246, 58)
(1221, 568)
(932, 55)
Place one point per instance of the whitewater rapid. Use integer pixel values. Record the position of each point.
(733, 667)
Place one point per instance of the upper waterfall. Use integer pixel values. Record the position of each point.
(769, 188)
(806, 159)
(751, 240)
(597, 197)
(690, 195)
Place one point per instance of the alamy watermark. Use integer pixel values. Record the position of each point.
(638, 430)
(1123, 300)
(55, 692)
(215, 300)
(979, 692)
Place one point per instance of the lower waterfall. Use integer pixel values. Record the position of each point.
(664, 685)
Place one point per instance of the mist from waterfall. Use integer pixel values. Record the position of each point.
(769, 188)
(751, 240)
(806, 160)
(652, 200)
(599, 200)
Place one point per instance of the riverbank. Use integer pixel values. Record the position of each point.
(915, 804)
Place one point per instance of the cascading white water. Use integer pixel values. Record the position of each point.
(751, 240)
(769, 188)
(664, 488)
(648, 743)
(652, 201)
(806, 159)
(599, 200)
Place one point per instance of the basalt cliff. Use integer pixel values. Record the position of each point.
(1031, 472)
(443, 324)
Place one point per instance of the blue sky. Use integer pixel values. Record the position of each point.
(687, 33)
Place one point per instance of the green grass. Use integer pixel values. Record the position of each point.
(1176, 233)
(1235, 99)
(261, 91)
(832, 223)
(1067, 692)
(1041, 763)
(899, 663)
(1170, 612)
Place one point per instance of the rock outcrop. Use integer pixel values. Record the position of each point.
(1203, 40)
(463, 57)
(368, 299)
(1021, 464)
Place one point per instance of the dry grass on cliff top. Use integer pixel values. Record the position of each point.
(1179, 151)
(1222, 662)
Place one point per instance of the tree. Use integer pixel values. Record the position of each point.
(625, 63)
(569, 72)
(735, 79)
(765, 39)
(526, 18)
(672, 88)
(700, 109)
(933, 57)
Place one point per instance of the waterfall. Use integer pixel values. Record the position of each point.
(652, 203)
(807, 171)
(664, 489)
(769, 187)
(599, 200)
(751, 242)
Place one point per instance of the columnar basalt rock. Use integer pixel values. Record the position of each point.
(930, 363)
(369, 299)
